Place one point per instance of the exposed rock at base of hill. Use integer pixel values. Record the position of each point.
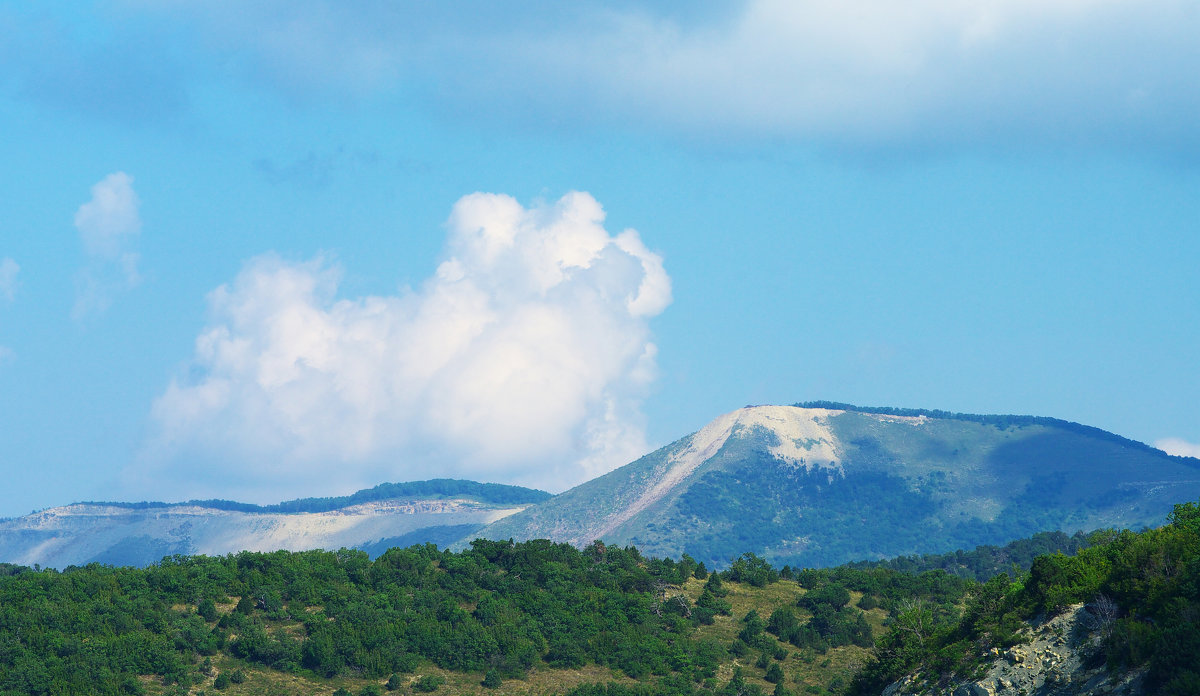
(1061, 658)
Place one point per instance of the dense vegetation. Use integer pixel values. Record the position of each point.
(497, 493)
(497, 607)
(1143, 587)
(500, 611)
(864, 509)
(988, 561)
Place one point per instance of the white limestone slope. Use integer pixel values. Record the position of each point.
(77, 534)
(799, 437)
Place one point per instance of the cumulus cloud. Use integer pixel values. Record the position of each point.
(8, 279)
(860, 72)
(1178, 447)
(524, 358)
(108, 226)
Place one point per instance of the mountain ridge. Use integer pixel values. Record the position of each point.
(143, 533)
(802, 483)
(807, 485)
(427, 489)
(1003, 420)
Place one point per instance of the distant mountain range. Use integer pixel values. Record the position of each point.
(814, 484)
(392, 514)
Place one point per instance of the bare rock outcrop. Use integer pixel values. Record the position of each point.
(1061, 658)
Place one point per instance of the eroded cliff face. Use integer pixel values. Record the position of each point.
(1062, 657)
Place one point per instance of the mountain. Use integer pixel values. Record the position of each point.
(374, 519)
(810, 485)
(820, 484)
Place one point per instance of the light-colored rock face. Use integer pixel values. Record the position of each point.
(1054, 660)
(801, 437)
(77, 534)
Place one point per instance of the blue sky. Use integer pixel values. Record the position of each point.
(275, 249)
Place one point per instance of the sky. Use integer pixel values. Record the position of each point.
(265, 250)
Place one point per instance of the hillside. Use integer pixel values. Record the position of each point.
(819, 486)
(375, 519)
(811, 485)
(1120, 617)
(543, 618)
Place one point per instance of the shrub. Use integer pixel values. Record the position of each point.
(207, 610)
(491, 680)
(428, 683)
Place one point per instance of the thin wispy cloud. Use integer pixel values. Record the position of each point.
(108, 226)
(121, 74)
(860, 73)
(523, 359)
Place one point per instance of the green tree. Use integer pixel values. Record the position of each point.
(1186, 516)
(207, 610)
(491, 680)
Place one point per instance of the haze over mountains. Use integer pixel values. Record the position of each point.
(438, 511)
(809, 485)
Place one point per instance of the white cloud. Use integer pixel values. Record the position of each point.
(108, 225)
(1109, 73)
(8, 279)
(524, 359)
(1178, 447)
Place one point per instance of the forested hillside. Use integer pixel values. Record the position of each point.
(1143, 590)
(987, 561)
(539, 617)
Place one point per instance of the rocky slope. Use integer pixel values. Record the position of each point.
(821, 486)
(1062, 656)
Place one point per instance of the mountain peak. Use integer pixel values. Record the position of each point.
(824, 483)
(802, 436)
